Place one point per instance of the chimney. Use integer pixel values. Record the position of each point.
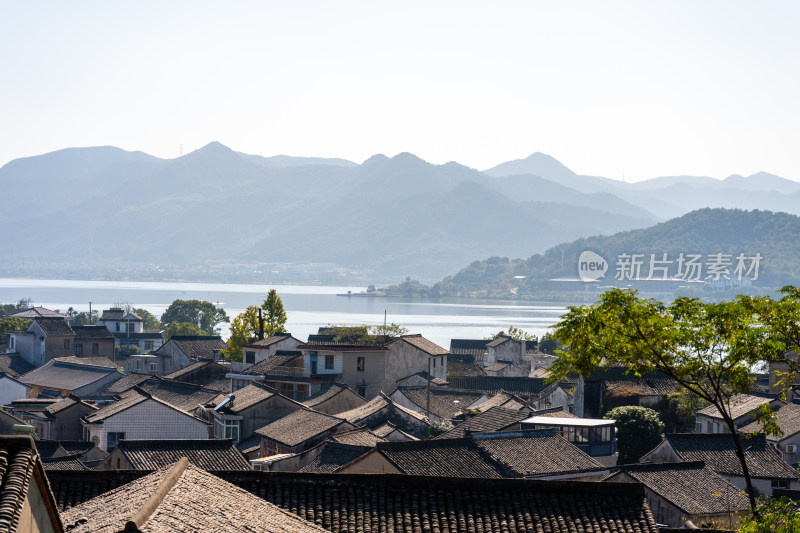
(260, 325)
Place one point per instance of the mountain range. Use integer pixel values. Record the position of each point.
(103, 207)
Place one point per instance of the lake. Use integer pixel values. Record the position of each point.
(307, 307)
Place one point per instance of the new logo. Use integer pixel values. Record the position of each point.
(591, 266)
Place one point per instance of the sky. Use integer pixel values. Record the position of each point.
(624, 89)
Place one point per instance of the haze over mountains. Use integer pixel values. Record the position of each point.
(398, 216)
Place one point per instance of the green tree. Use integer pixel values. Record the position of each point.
(10, 309)
(244, 328)
(370, 335)
(150, 321)
(775, 515)
(549, 344)
(518, 334)
(639, 430)
(274, 315)
(123, 350)
(708, 349)
(8, 323)
(204, 315)
(183, 329)
(83, 318)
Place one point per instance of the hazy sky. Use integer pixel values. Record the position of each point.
(630, 89)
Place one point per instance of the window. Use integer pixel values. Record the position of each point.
(148, 345)
(66, 345)
(153, 367)
(226, 429)
(113, 438)
(78, 349)
(129, 327)
(698, 427)
(780, 483)
(328, 362)
(117, 326)
(250, 357)
(362, 391)
(95, 348)
(434, 363)
(360, 365)
(11, 343)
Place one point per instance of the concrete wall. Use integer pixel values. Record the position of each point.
(510, 350)
(35, 516)
(404, 359)
(341, 402)
(67, 424)
(372, 463)
(11, 390)
(24, 345)
(372, 377)
(150, 420)
(264, 413)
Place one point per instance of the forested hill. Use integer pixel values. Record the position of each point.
(705, 231)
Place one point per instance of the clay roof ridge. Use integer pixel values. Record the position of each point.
(154, 501)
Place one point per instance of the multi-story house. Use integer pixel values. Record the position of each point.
(128, 329)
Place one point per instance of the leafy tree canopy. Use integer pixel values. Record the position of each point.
(10, 309)
(179, 329)
(369, 335)
(775, 515)
(245, 327)
(639, 430)
(8, 323)
(549, 344)
(150, 321)
(518, 335)
(708, 349)
(204, 315)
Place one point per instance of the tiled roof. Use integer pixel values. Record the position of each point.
(269, 341)
(462, 365)
(127, 399)
(498, 341)
(445, 403)
(73, 447)
(18, 467)
(494, 419)
(333, 456)
(270, 363)
(331, 392)
(89, 360)
(718, 452)
(429, 347)
(342, 502)
(359, 414)
(691, 487)
(420, 377)
(115, 313)
(181, 498)
(48, 448)
(649, 384)
(504, 399)
(554, 412)
(788, 419)
(448, 458)
(198, 347)
(532, 453)
(298, 427)
(497, 367)
(66, 462)
(208, 454)
(65, 375)
(388, 430)
(246, 397)
(358, 437)
(468, 346)
(14, 365)
(493, 384)
(207, 373)
(38, 312)
(128, 382)
(60, 405)
(73, 488)
(740, 405)
(184, 396)
(55, 326)
(92, 333)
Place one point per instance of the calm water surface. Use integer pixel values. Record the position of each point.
(307, 307)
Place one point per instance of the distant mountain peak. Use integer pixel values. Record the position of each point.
(537, 163)
(214, 146)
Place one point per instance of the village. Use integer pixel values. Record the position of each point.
(394, 433)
